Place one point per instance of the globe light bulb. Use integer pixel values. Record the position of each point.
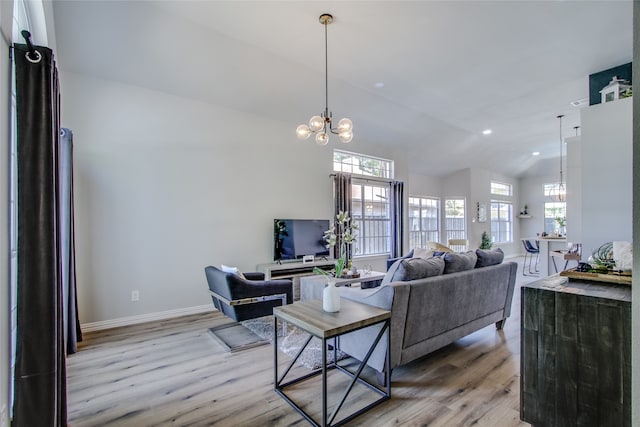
(322, 138)
(344, 125)
(303, 132)
(316, 123)
(345, 136)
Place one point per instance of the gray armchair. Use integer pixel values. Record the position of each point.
(248, 298)
(243, 299)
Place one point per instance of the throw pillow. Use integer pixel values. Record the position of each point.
(419, 268)
(487, 257)
(393, 275)
(455, 262)
(422, 253)
(233, 270)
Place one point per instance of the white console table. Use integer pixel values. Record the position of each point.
(293, 270)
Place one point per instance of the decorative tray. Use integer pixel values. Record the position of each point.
(350, 276)
(620, 278)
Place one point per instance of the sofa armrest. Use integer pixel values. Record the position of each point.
(394, 297)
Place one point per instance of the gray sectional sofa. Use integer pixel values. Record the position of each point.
(431, 312)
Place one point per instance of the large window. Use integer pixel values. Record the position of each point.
(454, 219)
(501, 221)
(370, 204)
(424, 221)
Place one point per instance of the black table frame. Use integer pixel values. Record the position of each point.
(327, 420)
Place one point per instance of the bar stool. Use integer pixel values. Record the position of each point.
(530, 250)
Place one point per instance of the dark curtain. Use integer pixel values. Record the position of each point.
(342, 197)
(73, 333)
(397, 218)
(40, 377)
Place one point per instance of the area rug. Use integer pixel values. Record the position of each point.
(310, 358)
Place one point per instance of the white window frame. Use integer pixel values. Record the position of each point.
(502, 223)
(419, 233)
(501, 189)
(372, 213)
(346, 161)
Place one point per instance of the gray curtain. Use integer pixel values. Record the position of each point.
(397, 218)
(40, 371)
(73, 333)
(342, 197)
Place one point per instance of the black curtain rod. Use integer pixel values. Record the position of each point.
(27, 38)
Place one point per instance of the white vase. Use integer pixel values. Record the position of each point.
(331, 297)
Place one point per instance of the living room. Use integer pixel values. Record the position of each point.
(189, 168)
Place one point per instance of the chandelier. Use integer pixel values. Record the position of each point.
(321, 125)
(558, 193)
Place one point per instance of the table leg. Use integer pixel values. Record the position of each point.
(324, 382)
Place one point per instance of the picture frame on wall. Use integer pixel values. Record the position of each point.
(482, 212)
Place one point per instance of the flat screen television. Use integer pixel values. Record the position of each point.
(295, 238)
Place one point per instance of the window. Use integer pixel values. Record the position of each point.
(370, 211)
(358, 164)
(501, 189)
(501, 221)
(553, 210)
(454, 219)
(424, 221)
(370, 200)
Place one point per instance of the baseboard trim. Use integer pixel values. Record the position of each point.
(142, 318)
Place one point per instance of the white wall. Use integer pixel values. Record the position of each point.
(635, 289)
(545, 171)
(165, 186)
(607, 177)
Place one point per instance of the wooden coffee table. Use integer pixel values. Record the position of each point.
(310, 317)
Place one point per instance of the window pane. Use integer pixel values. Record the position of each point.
(371, 212)
(454, 214)
(501, 188)
(553, 210)
(501, 222)
(424, 221)
(359, 164)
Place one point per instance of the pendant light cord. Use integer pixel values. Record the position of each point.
(326, 75)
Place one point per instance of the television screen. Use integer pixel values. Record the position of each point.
(295, 238)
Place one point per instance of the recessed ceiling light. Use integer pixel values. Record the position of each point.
(379, 85)
(535, 153)
(487, 132)
(580, 102)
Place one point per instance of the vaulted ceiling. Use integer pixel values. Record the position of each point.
(449, 69)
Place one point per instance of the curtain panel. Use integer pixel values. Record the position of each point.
(40, 372)
(342, 197)
(397, 218)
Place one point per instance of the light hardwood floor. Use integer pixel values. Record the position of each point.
(173, 373)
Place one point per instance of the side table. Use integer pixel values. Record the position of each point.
(310, 317)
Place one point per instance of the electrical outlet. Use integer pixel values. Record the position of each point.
(135, 295)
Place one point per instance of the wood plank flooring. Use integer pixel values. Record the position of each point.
(172, 373)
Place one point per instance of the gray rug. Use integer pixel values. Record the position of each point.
(311, 357)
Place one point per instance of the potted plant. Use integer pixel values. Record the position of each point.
(486, 241)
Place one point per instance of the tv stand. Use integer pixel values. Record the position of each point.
(293, 271)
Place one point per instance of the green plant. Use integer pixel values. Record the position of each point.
(486, 241)
(342, 232)
(561, 220)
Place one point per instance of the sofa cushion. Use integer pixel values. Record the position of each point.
(419, 268)
(459, 261)
(488, 257)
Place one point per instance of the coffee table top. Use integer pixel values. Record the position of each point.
(309, 316)
(363, 278)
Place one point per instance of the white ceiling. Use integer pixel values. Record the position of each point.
(450, 68)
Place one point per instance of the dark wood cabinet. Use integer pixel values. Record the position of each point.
(575, 359)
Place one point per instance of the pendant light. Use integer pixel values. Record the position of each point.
(321, 125)
(559, 193)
